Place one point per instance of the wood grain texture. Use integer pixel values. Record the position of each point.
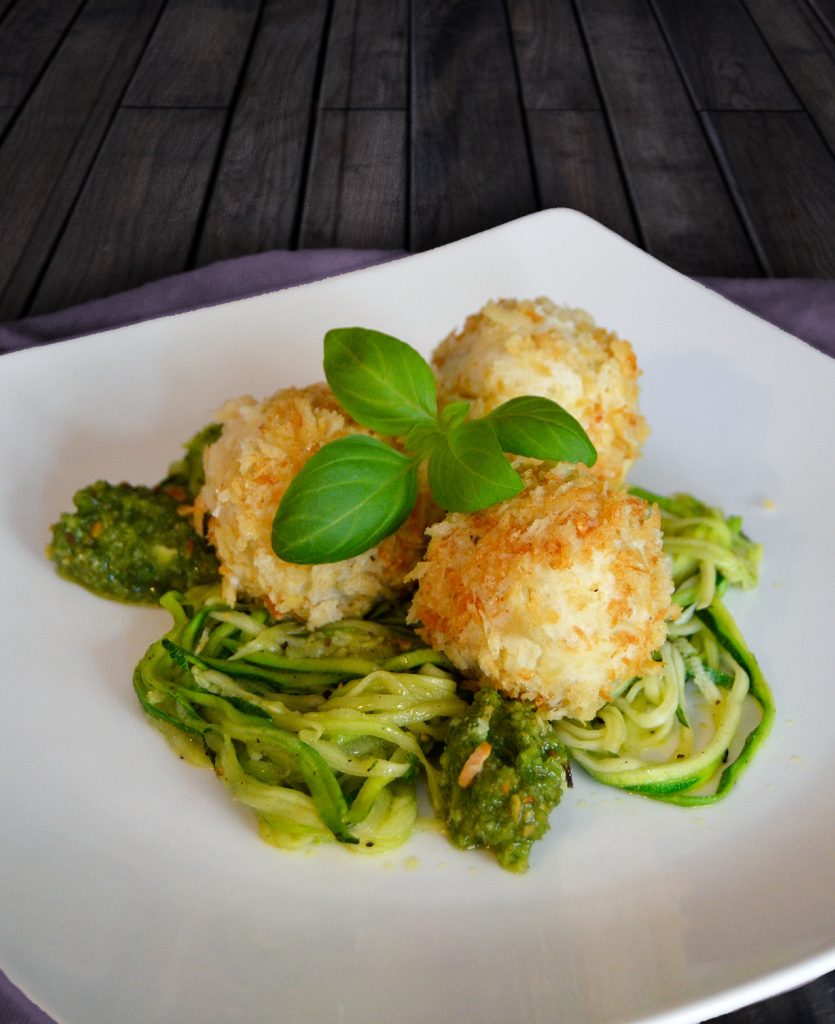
(195, 55)
(575, 166)
(367, 63)
(784, 178)
(511, 105)
(257, 195)
(554, 72)
(470, 167)
(725, 62)
(806, 53)
(137, 214)
(812, 1004)
(28, 37)
(356, 192)
(686, 215)
(57, 135)
(825, 10)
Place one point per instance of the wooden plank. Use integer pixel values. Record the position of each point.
(685, 213)
(29, 36)
(812, 1004)
(806, 53)
(576, 166)
(195, 55)
(784, 177)
(825, 10)
(136, 217)
(356, 192)
(57, 135)
(257, 196)
(725, 62)
(5, 7)
(367, 63)
(470, 164)
(554, 71)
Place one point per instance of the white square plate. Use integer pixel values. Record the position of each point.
(134, 890)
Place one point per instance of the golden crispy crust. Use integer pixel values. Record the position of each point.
(262, 447)
(555, 596)
(517, 347)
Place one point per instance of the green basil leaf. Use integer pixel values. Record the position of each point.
(347, 497)
(423, 437)
(454, 413)
(541, 429)
(382, 382)
(467, 470)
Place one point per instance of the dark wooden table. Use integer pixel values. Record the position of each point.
(140, 138)
(143, 137)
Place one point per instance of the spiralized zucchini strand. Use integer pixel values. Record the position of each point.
(309, 728)
(669, 735)
(708, 550)
(323, 732)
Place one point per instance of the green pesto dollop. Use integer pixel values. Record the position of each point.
(188, 472)
(506, 806)
(133, 543)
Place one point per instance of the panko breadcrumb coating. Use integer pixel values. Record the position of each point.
(519, 347)
(262, 447)
(556, 596)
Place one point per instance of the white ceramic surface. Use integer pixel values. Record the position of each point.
(132, 889)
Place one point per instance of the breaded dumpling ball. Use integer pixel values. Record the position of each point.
(514, 347)
(555, 596)
(262, 447)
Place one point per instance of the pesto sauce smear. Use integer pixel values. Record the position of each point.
(133, 543)
(136, 543)
(520, 772)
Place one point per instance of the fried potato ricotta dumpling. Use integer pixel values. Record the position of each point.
(262, 447)
(514, 347)
(556, 596)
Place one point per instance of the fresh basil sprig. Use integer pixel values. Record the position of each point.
(382, 382)
(537, 427)
(468, 470)
(349, 495)
(355, 491)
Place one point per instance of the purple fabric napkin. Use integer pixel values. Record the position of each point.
(15, 1008)
(802, 307)
(240, 278)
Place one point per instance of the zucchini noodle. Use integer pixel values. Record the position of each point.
(674, 734)
(708, 551)
(321, 732)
